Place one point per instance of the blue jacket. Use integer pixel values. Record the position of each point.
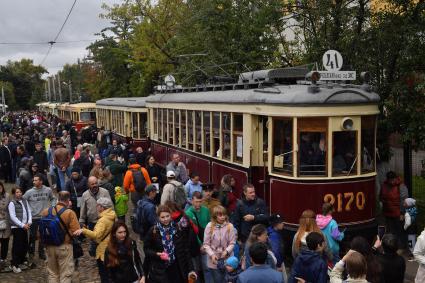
(330, 229)
(191, 188)
(260, 273)
(146, 215)
(310, 266)
(276, 243)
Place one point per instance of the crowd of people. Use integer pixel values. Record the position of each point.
(72, 186)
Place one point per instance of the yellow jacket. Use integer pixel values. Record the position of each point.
(101, 231)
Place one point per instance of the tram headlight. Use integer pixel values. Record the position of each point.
(347, 124)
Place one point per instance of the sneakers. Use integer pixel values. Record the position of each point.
(6, 269)
(23, 267)
(16, 269)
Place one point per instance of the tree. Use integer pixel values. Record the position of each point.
(9, 95)
(26, 79)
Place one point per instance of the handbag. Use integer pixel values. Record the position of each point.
(77, 250)
(3, 224)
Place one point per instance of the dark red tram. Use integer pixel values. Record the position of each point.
(300, 143)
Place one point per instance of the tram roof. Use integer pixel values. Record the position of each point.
(294, 94)
(123, 101)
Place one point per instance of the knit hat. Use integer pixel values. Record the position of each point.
(232, 262)
(105, 202)
(275, 219)
(75, 170)
(150, 188)
(410, 202)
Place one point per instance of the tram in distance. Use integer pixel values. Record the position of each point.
(126, 118)
(300, 143)
(81, 114)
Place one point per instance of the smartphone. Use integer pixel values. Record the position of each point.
(381, 232)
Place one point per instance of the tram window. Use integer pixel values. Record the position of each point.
(85, 116)
(225, 134)
(183, 126)
(282, 146)
(207, 132)
(143, 127)
(177, 126)
(368, 144)
(238, 138)
(160, 129)
(170, 125)
(134, 127)
(155, 121)
(216, 134)
(344, 153)
(312, 153)
(190, 128)
(198, 131)
(164, 125)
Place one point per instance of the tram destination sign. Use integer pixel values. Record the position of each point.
(337, 75)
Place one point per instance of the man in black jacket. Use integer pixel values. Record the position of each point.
(6, 160)
(40, 157)
(250, 210)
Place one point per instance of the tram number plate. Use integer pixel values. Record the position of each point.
(346, 201)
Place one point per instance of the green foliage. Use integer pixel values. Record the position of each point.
(9, 95)
(25, 77)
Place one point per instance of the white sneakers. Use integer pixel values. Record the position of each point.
(16, 269)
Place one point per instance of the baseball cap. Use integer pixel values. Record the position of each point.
(170, 174)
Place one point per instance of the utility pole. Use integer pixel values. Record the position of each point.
(48, 89)
(59, 87)
(54, 88)
(70, 91)
(3, 101)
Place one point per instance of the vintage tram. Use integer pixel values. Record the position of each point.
(126, 118)
(81, 114)
(301, 143)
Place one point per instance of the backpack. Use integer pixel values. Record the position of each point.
(141, 225)
(138, 181)
(51, 232)
(180, 196)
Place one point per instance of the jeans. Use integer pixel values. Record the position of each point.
(217, 275)
(33, 237)
(207, 274)
(93, 244)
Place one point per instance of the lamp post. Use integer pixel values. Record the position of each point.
(69, 84)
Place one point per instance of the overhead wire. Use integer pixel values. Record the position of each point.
(59, 32)
(46, 42)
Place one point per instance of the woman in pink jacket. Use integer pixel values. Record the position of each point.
(219, 241)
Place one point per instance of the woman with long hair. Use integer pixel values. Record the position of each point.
(226, 195)
(155, 174)
(122, 260)
(167, 253)
(219, 242)
(258, 233)
(4, 227)
(307, 224)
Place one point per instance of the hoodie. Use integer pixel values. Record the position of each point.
(330, 229)
(128, 178)
(276, 243)
(310, 266)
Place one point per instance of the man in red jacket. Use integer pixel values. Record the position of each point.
(393, 193)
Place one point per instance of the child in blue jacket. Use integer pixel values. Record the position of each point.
(330, 229)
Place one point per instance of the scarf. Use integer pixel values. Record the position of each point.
(167, 237)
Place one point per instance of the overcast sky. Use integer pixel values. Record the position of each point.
(40, 21)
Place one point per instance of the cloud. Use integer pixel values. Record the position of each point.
(40, 20)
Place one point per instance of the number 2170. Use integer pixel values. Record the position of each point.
(345, 201)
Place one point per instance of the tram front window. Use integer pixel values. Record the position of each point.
(282, 146)
(312, 154)
(344, 157)
(87, 116)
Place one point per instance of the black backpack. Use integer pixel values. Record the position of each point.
(138, 181)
